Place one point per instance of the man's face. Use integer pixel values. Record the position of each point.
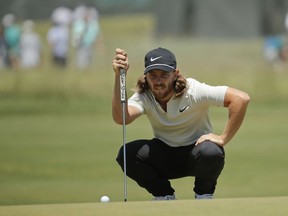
(161, 83)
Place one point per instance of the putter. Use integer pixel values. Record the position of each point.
(123, 102)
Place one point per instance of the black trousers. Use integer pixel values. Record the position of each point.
(152, 163)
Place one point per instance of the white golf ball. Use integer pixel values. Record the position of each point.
(104, 199)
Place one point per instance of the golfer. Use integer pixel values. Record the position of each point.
(177, 107)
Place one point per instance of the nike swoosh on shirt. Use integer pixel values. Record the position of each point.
(183, 109)
(154, 59)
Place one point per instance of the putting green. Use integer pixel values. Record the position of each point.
(237, 206)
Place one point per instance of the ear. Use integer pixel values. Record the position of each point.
(176, 73)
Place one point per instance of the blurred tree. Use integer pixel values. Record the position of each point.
(211, 18)
(175, 18)
(37, 9)
(273, 16)
(220, 18)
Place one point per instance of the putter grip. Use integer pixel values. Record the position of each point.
(122, 85)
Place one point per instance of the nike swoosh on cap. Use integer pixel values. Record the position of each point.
(154, 59)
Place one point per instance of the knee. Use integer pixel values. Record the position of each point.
(120, 157)
(208, 149)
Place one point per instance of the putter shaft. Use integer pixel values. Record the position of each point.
(123, 101)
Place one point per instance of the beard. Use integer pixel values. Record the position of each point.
(161, 91)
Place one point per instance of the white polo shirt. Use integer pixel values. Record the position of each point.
(187, 116)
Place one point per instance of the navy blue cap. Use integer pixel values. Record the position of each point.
(160, 59)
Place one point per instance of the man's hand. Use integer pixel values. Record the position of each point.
(120, 61)
(211, 137)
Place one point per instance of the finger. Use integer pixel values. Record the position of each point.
(202, 139)
(120, 63)
(120, 57)
(199, 141)
(118, 50)
(116, 64)
(121, 52)
(117, 67)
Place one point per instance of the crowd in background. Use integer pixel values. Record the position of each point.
(21, 46)
(275, 50)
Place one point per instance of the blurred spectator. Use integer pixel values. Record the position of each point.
(85, 33)
(12, 33)
(30, 46)
(3, 48)
(62, 15)
(58, 38)
(78, 24)
(276, 52)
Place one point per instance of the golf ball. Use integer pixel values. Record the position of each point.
(104, 199)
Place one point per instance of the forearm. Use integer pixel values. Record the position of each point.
(235, 119)
(236, 113)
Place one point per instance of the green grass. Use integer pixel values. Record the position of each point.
(235, 207)
(59, 142)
